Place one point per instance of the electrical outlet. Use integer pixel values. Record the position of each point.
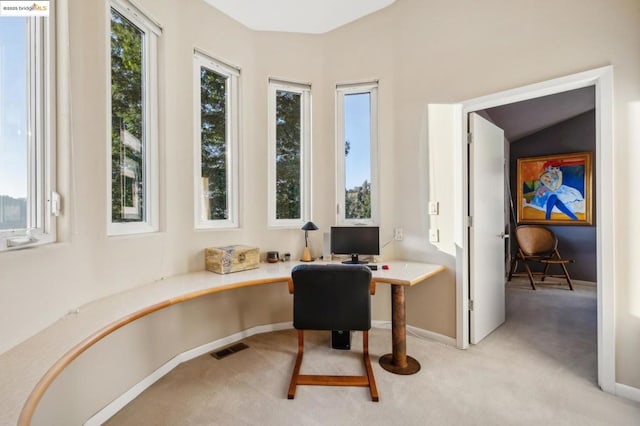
(398, 234)
(434, 236)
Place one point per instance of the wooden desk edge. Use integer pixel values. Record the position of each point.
(394, 281)
(56, 369)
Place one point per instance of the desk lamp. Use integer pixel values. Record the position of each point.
(306, 254)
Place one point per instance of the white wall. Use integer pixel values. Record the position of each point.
(422, 52)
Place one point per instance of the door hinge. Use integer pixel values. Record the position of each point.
(469, 138)
(338, 208)
(469, 221)
(471, 305)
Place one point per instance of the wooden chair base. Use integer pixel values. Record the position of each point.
(544, 274)
(322, 380)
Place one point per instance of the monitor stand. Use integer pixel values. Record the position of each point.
(354, 261)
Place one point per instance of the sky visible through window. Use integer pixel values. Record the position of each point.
(357, 131)
(13, 107)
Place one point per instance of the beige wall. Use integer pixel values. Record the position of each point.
(421, 51)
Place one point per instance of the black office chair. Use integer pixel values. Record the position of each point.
(332, 297)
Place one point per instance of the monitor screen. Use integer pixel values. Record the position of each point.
(355, 240)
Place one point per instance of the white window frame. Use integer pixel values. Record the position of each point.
(304, 90)
(232, 74)
(42, 201)
(151, 30)
(342, 90)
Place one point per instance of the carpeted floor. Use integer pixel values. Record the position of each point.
(539, 368)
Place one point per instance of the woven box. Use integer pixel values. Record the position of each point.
(236, 258)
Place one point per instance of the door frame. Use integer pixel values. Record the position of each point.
(602, 80)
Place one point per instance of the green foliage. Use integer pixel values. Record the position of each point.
(213, 114)
(358, 202)
(288, 131)
(126, 112)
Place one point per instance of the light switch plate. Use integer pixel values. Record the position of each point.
(433, 207)
(434, 235)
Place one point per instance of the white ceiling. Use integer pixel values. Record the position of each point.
(299, 16)
(524, 118)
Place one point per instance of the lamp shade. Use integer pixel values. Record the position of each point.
(309, 226)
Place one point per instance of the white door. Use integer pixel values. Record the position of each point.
(486, 233)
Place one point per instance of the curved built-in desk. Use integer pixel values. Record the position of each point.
(30, 368)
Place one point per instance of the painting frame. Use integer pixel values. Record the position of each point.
(555, 189)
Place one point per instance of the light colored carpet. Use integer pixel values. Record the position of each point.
(539, 368)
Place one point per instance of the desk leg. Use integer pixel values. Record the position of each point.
(398, 361)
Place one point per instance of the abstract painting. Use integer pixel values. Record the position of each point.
(555, 189)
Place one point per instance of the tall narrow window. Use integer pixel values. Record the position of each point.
(357, 153)
(26, 145)
(132, 150)
(289, 153)
(216, 112)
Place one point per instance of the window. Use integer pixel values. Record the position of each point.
(216, 131)
(289, 154)
(26, 142)
(133, 168)
(357, 153)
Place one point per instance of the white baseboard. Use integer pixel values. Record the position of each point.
(418, 332)
(628, 392)
(117, 404)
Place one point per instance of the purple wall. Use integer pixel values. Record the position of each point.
(574, 135)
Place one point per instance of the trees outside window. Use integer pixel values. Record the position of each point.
(133, 186)
(216, 182)
(289, 153)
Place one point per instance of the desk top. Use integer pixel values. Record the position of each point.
(37, 361)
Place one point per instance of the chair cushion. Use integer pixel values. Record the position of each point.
(331, 297)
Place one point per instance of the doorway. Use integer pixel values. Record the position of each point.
(601, 79)
(553, 321)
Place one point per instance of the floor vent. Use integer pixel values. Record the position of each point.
(230, 350)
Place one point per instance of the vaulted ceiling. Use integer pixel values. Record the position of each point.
(524, 118)
(300, 16)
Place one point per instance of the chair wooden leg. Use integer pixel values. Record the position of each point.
(566, 275)
(373, 389)
(296, 370)
(545, 271)
(526, 266)
(512, 269)
(317, 379)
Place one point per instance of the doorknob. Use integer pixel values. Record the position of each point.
(503, 235)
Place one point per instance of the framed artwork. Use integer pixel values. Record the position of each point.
(555, 189)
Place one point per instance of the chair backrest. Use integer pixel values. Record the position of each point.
(331, 297)
(535, 240)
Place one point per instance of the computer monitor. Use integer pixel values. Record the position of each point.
(355, 241)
